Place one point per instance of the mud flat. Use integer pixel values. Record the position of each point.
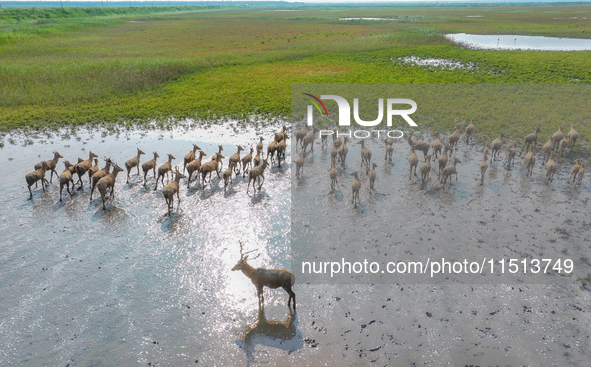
(131, 286)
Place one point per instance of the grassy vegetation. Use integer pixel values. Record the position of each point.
(149, 63)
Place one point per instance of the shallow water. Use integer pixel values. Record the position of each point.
(516, 42)
(130, 286)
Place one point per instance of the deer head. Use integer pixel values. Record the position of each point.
(243, 257)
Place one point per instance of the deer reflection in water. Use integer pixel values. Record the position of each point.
(271, 333)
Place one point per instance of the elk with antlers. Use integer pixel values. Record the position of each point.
(271, 278)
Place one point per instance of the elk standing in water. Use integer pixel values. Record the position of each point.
(35, 176)
(84, 166)
(271, 278)
(496, 147)
(483, 168)
(150, 165)
(172, 188)
(134, 162)
(530, 160)
(163, 170)
(333, 173)
(100, 174)
(108, 182)
(51, 164)
(189, 157)
(355, 187)
(365, 155)
(195, 165)
(257, 172)
(65, 179)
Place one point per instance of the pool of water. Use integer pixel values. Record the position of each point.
(515, 42)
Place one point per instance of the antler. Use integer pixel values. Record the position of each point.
(245, 253)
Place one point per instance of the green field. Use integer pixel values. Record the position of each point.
(128, 66)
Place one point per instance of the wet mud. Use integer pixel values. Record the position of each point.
(133, 286)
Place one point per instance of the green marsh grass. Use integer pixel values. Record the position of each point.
(237, 62)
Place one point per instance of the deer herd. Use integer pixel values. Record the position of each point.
(254, 166)
(194, 162)
(442, 154)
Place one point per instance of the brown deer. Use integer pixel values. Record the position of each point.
(575, 170)
(100, 174)
(271, 278)
(469, 131)
(413, 160)
(530, 139)
(246, 161)
(551, 168)
(150, 165)
(454, 137)
(215, 157)
(190, 157)
(530, 160)
(343, 150)
(300, 164)
(280, 135)
(419, 145)
(211, 166)
(437, 145)
(511, 156)
(255, 173)
(300, 135)
(195, 166)
(256, 161)
(333, 173)
(84, 166)
(355, 187)
(483, 167)
(389, 150)
(108, 182)
(372, 176)
(172, 188)
(281, 149)
(425, 169)
(236, 157)
(572, 136)
(365, 155)
(449, 171)
(260, 144)
(547, 149)
(35, 176)
(134, 162)
(227, 175)
(51, 164)
(496, 147)
(65, 179)
(557, 137)
(309, 139)
(163, 170)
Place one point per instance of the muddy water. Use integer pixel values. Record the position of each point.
(512, 216)
(131, 286)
